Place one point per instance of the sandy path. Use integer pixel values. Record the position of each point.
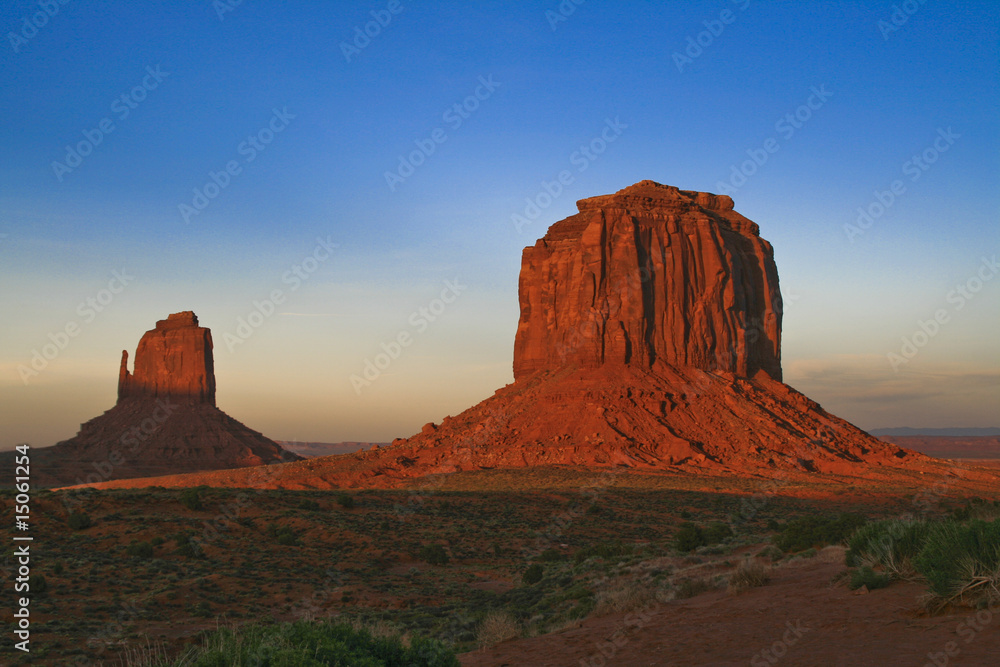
(799, 615)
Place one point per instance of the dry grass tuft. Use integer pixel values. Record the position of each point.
(751, 573)
(498, 626)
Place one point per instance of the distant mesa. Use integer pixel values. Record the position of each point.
(165, 420)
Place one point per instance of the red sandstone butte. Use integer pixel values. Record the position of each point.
(649, 337)
(165, 420)
(173, 360)
(650, 273)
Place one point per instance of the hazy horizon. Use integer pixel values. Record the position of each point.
(271, 149)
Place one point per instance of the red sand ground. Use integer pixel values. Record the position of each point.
(837, 627)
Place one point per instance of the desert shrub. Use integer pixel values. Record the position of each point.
(892, 544)
(57, 569)
(496, 627)
(187, 547)
(345, 500)
(962, 560)
(869, 578)
(157, 541)
(690, 587)
(283, 535)
(38, 584)
(79, 521)
(689, 537)
(977, 508)
(141, 550)
(623, 595)
(551, 555)
(750, 573)
(191, 499)
(433, 554)
(533, 574)
(716, 532)
(770, 552)
(816, 531)
(309, 505)
(605, 550)
(314, 644)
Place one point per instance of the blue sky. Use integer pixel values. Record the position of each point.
(202, 88)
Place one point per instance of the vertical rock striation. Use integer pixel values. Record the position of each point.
(650, 273)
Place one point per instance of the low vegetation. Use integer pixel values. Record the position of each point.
(959, 559)
(266, 564)
(314, 644)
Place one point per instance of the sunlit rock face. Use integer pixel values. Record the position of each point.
(650, 273)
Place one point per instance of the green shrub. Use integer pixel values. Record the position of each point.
(433, 554)
(79, 521)
(962, 560)
(533, 574)
(191, 499)
(38, 584)
(689, 537)
(716, 532)
(551, 555)
(309, 505)
(187, 547)
(283, 535)
(605, 550)
(141, 550)
(345, 500)
(892, 543)
(865, 576)
(315, 644)
(816, 531)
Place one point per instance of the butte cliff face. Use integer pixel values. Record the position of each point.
(648, 274)
(174, 360)
(165, 420)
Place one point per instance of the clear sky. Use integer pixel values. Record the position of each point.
(167, 156)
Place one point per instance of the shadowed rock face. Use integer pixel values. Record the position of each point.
(650, 273)
(174, 360)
